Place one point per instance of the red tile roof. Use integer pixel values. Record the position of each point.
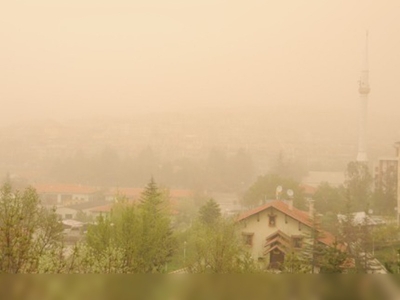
(103, 208)
(128, 192)
(299, 215)
(180, 193)
(308, 189)
(83, 189)
(293, 212)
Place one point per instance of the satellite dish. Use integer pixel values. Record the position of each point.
(290, 193)
(279, 189)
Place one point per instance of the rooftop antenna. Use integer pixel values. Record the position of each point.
(278, 191)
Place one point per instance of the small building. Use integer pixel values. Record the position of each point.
(66, 213)
(272, 230)
(363, 219)
(89, 208)
(73, 231)
(65, 194)
(385, 170)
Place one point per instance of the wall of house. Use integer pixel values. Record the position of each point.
(258, 225)
(66, 213)
(81, 197)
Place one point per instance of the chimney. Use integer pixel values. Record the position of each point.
(290, 198)
(290, 203)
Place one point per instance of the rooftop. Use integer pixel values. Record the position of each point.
(297, 214)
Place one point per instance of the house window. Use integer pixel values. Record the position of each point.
(272, 220)
(248, 239)
(297, 241)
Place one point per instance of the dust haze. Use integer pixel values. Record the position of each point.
(200, 137)
(185, 78)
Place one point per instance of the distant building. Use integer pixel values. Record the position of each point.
(384, 169)
(65, 194)
(363, 219)
(66, 213)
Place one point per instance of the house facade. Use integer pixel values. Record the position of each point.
(65, 194)
(275, 229)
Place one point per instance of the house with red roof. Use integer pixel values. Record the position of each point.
(277, 228)
(65, 194)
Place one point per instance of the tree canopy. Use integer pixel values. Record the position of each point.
(28, 233)
(358, 185)
(142, 233)
(265, 189)
(210, 212)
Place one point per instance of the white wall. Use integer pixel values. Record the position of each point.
(65, 211)
(261, 229)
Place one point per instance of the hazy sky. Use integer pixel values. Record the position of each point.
(85, 58)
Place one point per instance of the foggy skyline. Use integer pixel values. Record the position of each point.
(100, 58)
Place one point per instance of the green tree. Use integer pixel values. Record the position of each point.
(296, 263)
(329, 199)
(218, 249)
(210, 212)
(27, 231)
(265, 189)
(358, 184)
(357, 236)
(87, 260)
(384, 196)
(287, 167)
(313, 248)
(332, 259)
(158, 242)
(141, 233)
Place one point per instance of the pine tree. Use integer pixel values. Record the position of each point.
(157, 241)
(137, 237)
(313, 248)
(210, 212)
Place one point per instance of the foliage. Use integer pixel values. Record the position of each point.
(386, 235)
(314, 256)
(295, 263)
(217, 171)
(265, 189)
(329, 199)
(218, 249)
(27, 232)
(141, 234)
(358, 237)
(384, 196)
(332, 259)
(83, 217)
(313, 248)
(286, 167)
(358, 186)
(330, 223)
(210, 212)
(87, 260)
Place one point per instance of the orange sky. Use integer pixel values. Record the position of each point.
(87, 58)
